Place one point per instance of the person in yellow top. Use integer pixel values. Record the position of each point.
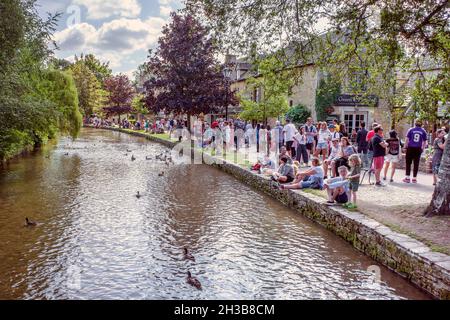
(336, 125)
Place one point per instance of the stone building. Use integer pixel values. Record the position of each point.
(347, 108)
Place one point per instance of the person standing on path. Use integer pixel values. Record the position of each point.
(290, 131)
(362, 143)
(369, 137)
(278, 135)
(311, 132)
(416, 140)
(379, 151)
(438, 151)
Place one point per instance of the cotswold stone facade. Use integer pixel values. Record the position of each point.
(402, 254)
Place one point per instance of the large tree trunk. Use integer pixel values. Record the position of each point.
(440, 204)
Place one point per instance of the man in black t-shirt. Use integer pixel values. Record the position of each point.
(363, 144)
(379, 151)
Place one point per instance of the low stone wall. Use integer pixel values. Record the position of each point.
(404, 255)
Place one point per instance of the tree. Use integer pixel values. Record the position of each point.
(364, 41)
(59, 87)
(186, 76)
(270, 88)
(119, 95)
(298, 114)
(90, 94)
(326, 95)
(101, 70)
(138, 104)
(35, 102)
(440, 203)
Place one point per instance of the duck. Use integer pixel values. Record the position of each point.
(138, 195)
(128, 150)
(161, 174)
(30, 223)
(148, 158)
(187, 255)
(66, 154)
(133, 158)
(193, 281)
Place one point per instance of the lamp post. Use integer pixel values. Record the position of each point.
(227, 75)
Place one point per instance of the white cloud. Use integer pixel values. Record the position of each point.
(129, 34)
(101, 9)
(164, 11)
(121, 35)
(167, 6)
(75, 37)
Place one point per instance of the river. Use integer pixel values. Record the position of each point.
(96, 240)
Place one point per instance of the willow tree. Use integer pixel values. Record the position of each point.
(185, 76)
(363, 41)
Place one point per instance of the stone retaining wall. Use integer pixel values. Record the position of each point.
(404, 255)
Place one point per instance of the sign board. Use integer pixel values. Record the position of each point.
(355, 100)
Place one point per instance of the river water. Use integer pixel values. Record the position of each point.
(96, 240)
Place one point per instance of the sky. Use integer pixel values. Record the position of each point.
(118, 31)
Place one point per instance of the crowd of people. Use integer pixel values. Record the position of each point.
(338, 158)
(333, 159)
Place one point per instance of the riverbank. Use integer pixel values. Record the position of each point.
(401, 253)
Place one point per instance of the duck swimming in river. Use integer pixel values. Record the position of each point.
(30, 223)
(187, 255)
(133, 158)
(193, 281)
(138, 195)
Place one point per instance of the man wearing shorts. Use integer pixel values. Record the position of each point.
(311, 132)
(379, 151)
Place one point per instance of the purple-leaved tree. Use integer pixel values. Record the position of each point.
(120, 94)
(186, 78)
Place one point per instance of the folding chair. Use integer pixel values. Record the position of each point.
(369, 172)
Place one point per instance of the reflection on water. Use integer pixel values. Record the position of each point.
(96, 240)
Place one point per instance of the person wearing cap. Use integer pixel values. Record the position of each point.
(334, 133)
(416, 140)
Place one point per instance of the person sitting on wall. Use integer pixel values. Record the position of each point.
(333, 156)
(312, 178)
(285, 173)
(338, 188)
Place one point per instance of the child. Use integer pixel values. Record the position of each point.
(337, 188)
(353, 177)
